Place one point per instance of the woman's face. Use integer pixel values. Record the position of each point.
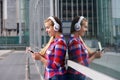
(49, 29)
(84, 28)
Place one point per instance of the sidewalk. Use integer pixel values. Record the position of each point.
(4, 51)
(13, 66)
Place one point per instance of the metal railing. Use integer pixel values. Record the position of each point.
(92, 74)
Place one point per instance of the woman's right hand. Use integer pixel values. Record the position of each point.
(36, 56)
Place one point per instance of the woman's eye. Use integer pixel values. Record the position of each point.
(47, 27)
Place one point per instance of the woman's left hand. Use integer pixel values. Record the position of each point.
(98, 54)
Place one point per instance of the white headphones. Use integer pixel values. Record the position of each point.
(77, 25)
(56, 25)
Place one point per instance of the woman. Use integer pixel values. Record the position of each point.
(53, 54)
(77, 49)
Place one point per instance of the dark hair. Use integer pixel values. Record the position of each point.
(74, 21)
(57, 20)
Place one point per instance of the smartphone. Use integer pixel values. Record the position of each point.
(100, 47)
(100, 50)
(31, 51)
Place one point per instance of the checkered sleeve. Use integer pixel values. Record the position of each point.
(59, 54)
(76, 52)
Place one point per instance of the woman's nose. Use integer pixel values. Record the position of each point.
(86, 29)
(46, 30)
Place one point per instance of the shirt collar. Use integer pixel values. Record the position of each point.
(60, 36)
(73, 36)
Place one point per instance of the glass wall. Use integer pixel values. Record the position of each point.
(103, 25)
(105, 21)
(39, 10)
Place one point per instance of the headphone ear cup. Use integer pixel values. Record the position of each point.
(56, 27)
(77, 27)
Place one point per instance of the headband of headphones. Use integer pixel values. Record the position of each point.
(56, 25)
(77, 25)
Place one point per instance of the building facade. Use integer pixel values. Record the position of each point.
(8, 17)
(98, 13)
(14, 15)
(116, 18)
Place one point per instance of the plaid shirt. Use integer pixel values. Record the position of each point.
(55, 56)
(77, 52)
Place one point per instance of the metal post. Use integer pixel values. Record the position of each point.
(27, 68)
(4, 13)
(20, 29)
(1, 12)
(51, 8)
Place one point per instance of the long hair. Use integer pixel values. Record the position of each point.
(43, 51)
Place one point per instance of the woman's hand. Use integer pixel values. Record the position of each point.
(36, 56)
(95, 55)
(98, 54)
